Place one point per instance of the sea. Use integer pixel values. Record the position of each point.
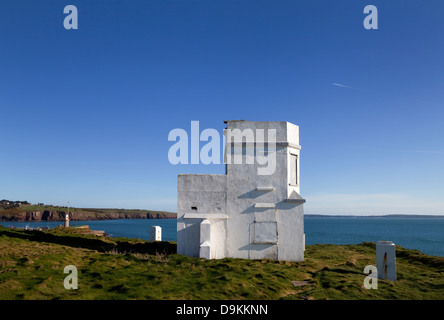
(423, 234)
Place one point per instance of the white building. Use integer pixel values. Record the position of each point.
(254, 211)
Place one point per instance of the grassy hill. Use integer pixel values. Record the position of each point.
(32, 264)
(56, 213)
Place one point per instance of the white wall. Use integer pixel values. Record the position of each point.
(242, 196)
(207, 193)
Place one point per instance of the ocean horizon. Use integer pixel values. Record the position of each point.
(425, 234)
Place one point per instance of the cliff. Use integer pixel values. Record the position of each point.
(53, 213)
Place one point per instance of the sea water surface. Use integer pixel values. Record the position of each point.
(424, 234)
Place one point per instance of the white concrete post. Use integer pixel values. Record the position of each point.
(156, 233)
(66, 220)
(386, 260)
(205, 239)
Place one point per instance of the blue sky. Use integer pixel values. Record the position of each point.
(86, 113)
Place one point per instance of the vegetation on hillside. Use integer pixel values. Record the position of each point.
(32, 264)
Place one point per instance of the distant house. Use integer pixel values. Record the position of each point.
(7, 204)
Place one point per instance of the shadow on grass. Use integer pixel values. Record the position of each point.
(77, 241)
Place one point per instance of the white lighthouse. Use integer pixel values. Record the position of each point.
(254, 210)
(67, 219)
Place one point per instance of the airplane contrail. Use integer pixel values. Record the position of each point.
(348, 87)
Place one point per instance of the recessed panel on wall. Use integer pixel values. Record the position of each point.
(265, 232)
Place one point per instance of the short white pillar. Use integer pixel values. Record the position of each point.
(205, 239)
(66, 220)
(156, 233)
(386, 260)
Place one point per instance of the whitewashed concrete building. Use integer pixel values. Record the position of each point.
(246, 213)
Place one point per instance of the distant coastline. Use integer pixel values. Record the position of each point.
(24, 211)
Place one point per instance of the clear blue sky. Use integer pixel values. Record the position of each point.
(85, 114)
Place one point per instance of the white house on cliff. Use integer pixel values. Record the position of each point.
(254, 211)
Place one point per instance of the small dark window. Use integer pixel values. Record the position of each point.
(193, 208)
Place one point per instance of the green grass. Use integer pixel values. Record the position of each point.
(32, 263)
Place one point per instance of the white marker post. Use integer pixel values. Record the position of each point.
(156, 233)
(386, 260)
